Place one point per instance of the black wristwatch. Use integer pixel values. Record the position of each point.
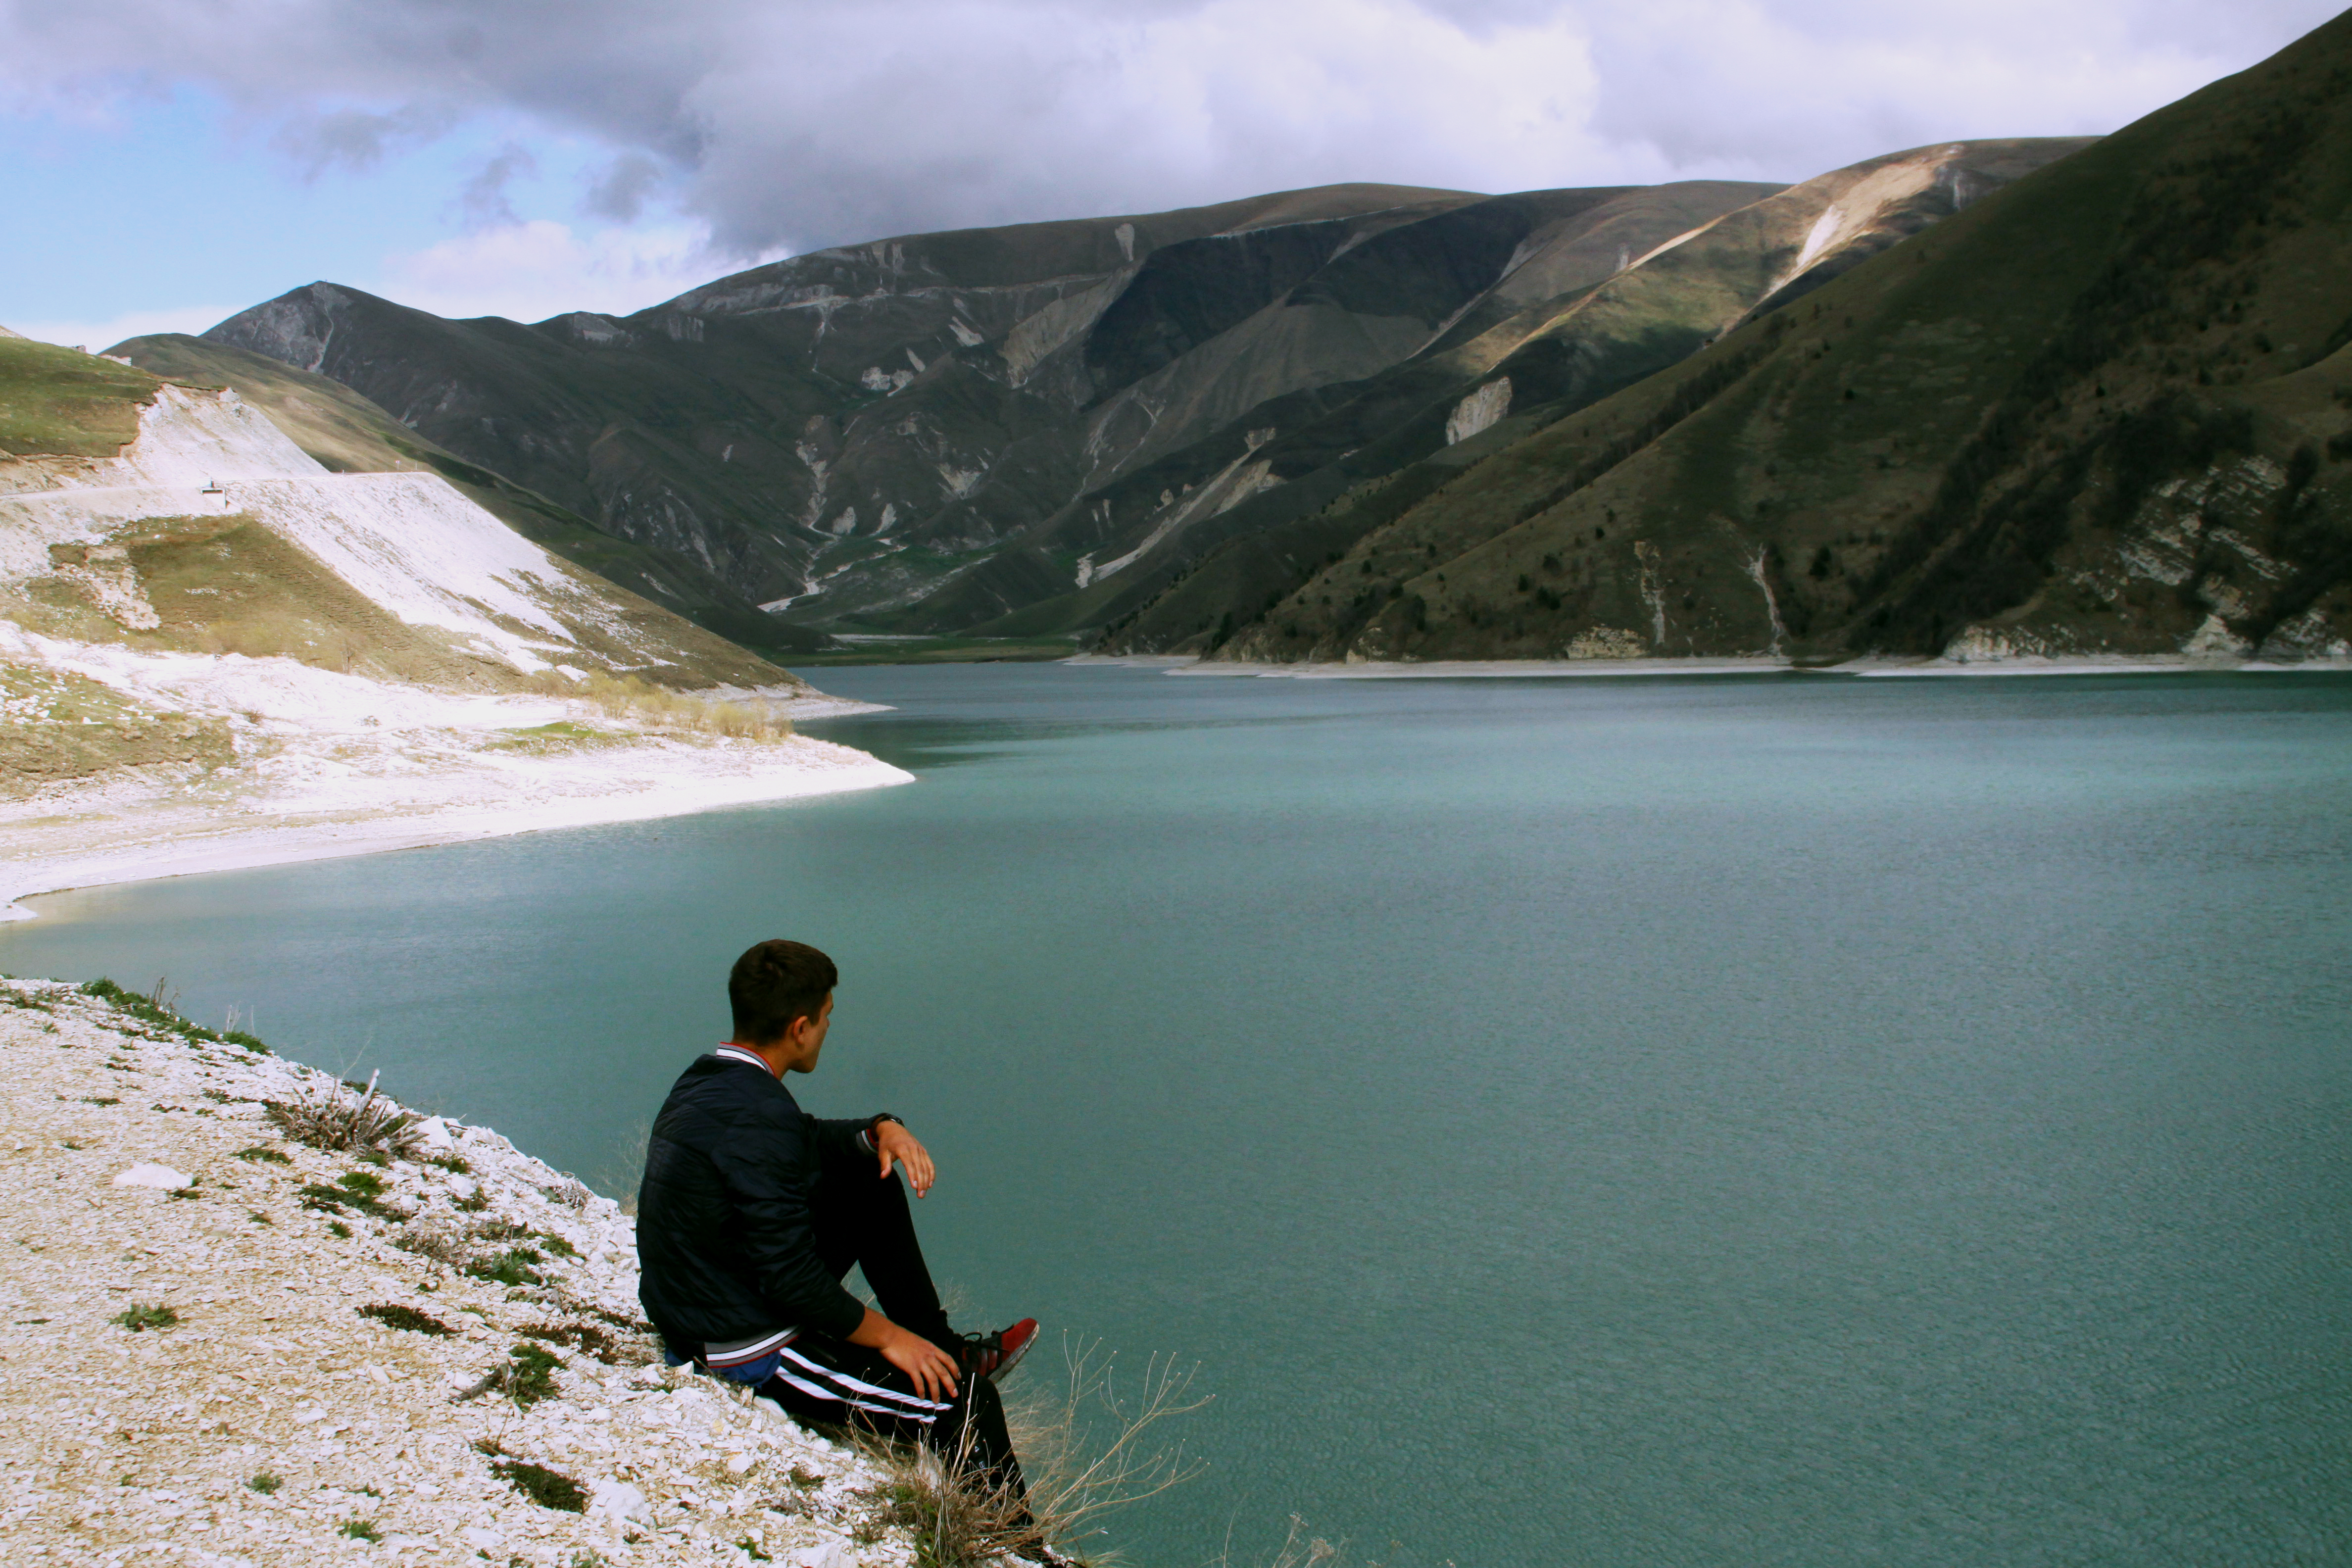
(874, 1124)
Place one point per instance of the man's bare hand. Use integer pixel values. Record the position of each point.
(930, 1369)
(895, 1144)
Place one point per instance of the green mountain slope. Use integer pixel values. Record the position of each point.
(2106, 409)
(1154, 424)
(781, 423)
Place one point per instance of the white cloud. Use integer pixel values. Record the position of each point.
(529, 271)
(100, 335)
(792, 123)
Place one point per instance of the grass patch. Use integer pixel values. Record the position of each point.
(548, 1489)
(55, 402)
(138, 1318)
(262, 1156)
(509, 1267)
(365, 1187)
(561, 736)
(154, 1010)
(338, 1230)
(640, 702)
(528, 1376)
(360, 1529)
(584, 1337)
(392, 1315)
(456, 1164)
(264, 1483)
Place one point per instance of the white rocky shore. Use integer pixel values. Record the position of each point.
(281, 1418)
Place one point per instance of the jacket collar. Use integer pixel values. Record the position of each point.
(732, 1053)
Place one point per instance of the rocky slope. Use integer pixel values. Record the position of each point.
(1034, 430)
(347, 433)
(314, 1323)
(2106, 410)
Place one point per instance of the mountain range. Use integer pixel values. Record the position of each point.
(1980, 399)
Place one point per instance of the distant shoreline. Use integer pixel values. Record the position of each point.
(1600, 668)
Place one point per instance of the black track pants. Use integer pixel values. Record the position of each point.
(836, 1384)
(863, 1219)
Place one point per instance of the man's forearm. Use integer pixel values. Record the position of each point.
(874, 1330)
(932, 1369)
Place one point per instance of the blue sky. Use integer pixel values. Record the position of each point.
(173, 164)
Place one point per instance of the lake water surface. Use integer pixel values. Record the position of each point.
(1706, 1122)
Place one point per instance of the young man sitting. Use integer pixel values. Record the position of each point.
(752, 1212)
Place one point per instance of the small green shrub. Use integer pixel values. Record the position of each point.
(360, 1529)
(548, 1489)
(558, 1246)
(320, 1196)
(363, 1184)
(456, 1164)
(138, 1318)
(476, 1204)
(509, 1268)
(392, 1315)
(338, 1230)
(530, 1374)
(264, 1483)
(261, 1156)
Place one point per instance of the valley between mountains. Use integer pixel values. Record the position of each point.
(2041, 399)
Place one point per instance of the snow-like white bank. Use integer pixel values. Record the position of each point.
(519, 795)
(334, 764)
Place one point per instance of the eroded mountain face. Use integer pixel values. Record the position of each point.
(2108, 410)
(1158, 426)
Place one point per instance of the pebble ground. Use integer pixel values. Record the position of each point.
(273, 1423)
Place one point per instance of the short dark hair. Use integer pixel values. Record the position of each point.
(775, 983)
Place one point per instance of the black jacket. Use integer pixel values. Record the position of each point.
(725, 1240)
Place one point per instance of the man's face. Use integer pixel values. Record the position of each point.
(805, 1038)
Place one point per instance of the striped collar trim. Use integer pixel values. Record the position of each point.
(738, 1053)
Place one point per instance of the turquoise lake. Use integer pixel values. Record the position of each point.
(1712, 1123)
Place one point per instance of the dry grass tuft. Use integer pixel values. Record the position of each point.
(327, 1118)
(651, 707)
(1086, 1451)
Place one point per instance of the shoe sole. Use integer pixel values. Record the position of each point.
(1009, 1362)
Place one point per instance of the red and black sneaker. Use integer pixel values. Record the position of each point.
(993, 1355)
